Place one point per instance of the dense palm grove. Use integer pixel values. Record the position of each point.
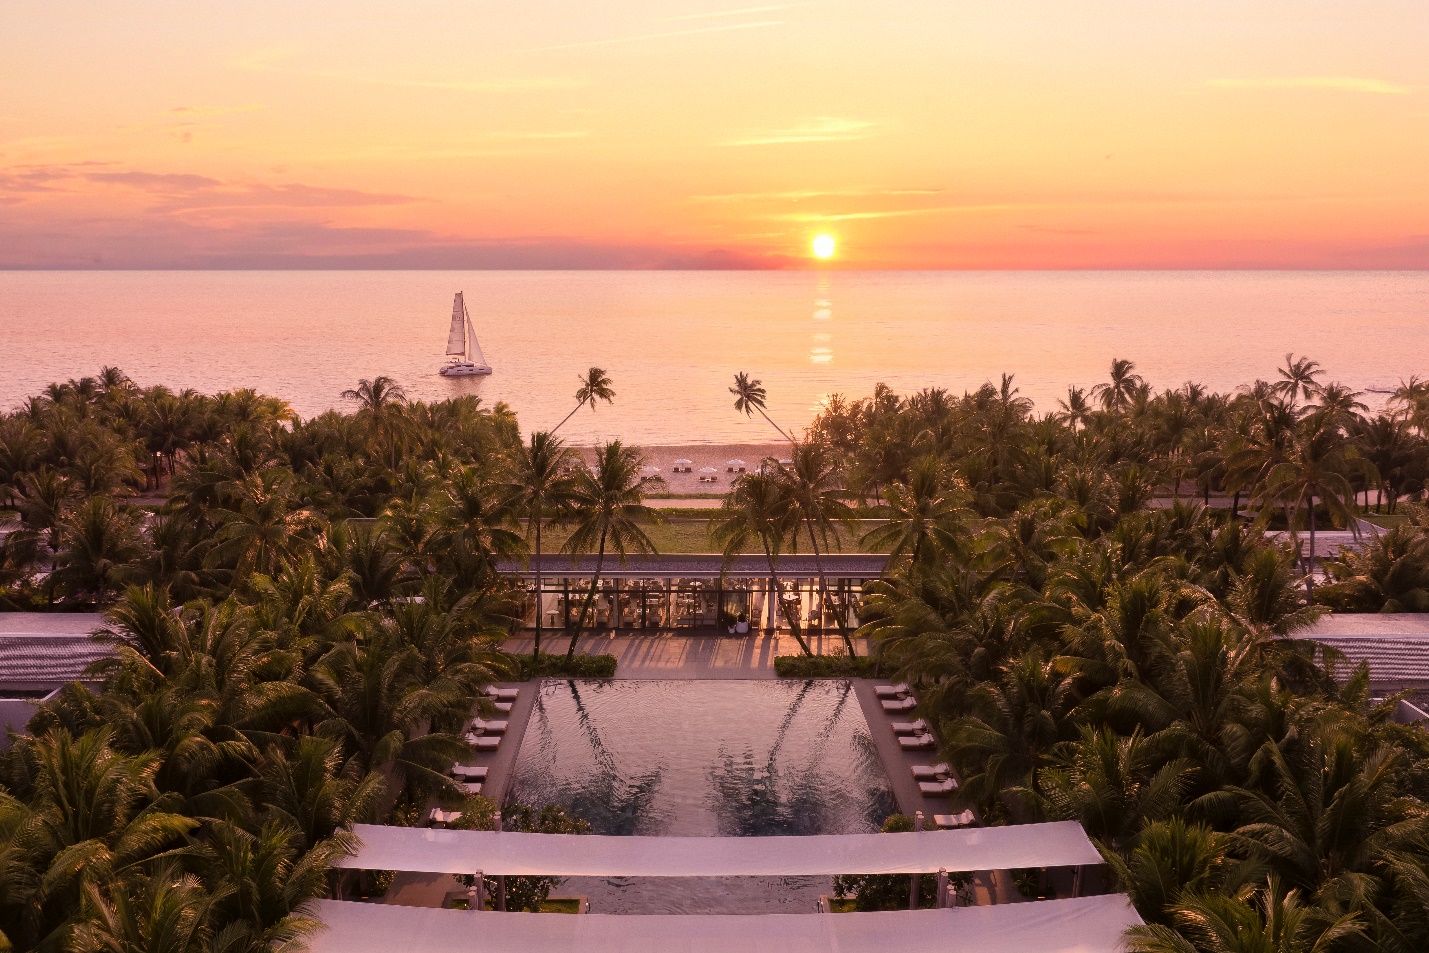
(1086, 656)
(304, 611)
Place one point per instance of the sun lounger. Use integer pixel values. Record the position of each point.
(910, 727)
(484, 742)
(891, 691)
(502, 694)
(917, 741)
(439, 816)
(964, 819)
(902, 704)
(487, 727)
(471, 787)
(503, 707)
(469, 772)
(931, 772)
(935, 788)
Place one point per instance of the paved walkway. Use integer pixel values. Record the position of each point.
(664, 655)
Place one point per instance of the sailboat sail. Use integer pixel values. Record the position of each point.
(456, 338)
(475, 345)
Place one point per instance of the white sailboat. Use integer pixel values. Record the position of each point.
(463, 349)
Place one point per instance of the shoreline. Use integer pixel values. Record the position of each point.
(716, 455)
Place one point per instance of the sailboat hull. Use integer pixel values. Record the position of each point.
(464, 369)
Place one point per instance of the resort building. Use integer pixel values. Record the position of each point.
(697, 591)
(41, 652)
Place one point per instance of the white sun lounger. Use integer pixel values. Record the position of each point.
(918, 741)
(935, 788)
(931, 772)
(487, 727)
(484, 742)
(471, 787)
(439, 816)
(891, 691)
(902, 704)
(503, 707)
(954, 820)
(469, 772)
(502, 694)
(910, 727)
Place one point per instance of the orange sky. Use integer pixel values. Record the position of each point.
(709, 133)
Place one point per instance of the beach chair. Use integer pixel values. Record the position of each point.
(503, 707)
(910, 727)
(931, 772)
(441, 817)
(917, 741)
(469, 772)
(937, 788)
(471, 787)
(902, 704)
(502, 694)
(891, 691)
(484, 742)
(946, 821)
(480, 727)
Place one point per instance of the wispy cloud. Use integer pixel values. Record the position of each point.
(742, 11)
(805, 194)
(181, 191)
(642, 37)
(814, 217)
(818, 129)
(1341, 84)
(281, 61)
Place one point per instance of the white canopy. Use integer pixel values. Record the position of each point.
(420, 849)
(1085, 925)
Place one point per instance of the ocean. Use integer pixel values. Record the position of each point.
(672, 341)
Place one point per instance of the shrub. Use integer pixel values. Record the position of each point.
(549, 665)
(825, 666)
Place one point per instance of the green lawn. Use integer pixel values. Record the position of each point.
(1387, 520)
(692, 536)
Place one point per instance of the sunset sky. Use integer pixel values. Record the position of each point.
(700, 133)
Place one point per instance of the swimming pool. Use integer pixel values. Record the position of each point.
(730, 758)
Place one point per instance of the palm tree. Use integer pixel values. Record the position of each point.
(607, 508)
(1117, 394)
(100, 547)
(1297, 379)
(1316, 471)
(595, 387)
(749, 396)
(545, 484)
(1075, 408)
(817, 494)
(380, 399)
(927, 518)
(758, 507)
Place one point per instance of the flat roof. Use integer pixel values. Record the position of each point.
(1395, 646)
(427, 850)
(699, 565)
(47, 649)
(1076, 925)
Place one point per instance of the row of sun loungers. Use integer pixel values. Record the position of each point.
(934, 780)
(481, 735)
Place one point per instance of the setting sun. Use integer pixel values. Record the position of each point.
(824, 246)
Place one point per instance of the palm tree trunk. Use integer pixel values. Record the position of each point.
(775, 426)
(1310, 566)
(589, 597)
(536, 650)
(567, 417)
(824, 590)
(778, 595)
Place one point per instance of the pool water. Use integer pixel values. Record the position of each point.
(699, 758)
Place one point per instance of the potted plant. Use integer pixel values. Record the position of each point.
(741, 625)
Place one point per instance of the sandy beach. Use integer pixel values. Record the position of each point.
(705, 455)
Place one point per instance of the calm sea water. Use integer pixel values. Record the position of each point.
(704, 758)
(673, 340)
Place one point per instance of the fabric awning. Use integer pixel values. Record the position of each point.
(417, 849)
(1084, 925)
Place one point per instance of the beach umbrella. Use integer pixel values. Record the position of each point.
(786, 463)
(648, 470)
(708, 470)
(734, 463)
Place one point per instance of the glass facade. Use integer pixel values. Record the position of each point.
(684, 603)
